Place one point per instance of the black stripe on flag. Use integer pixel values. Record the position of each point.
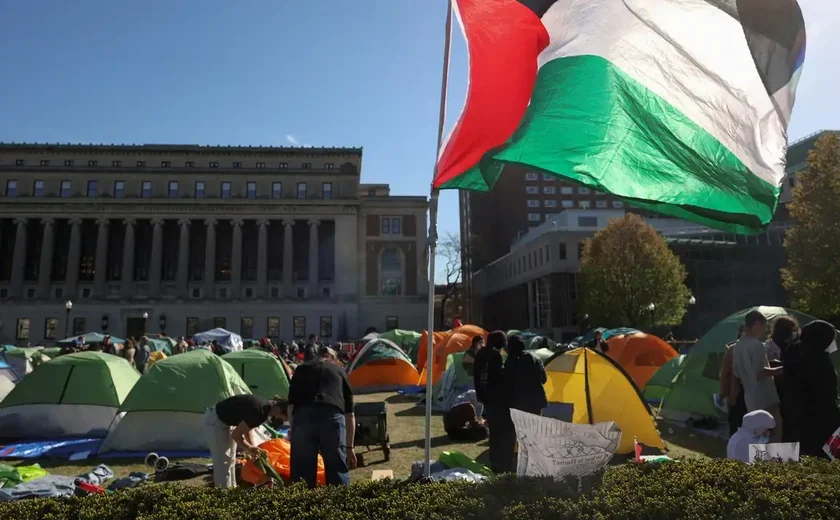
(775, 33)
(540, 7)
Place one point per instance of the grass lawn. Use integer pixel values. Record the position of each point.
(406, 426)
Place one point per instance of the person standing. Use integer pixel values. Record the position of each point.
(311, 349)
(731, 388)
(524, 377)
(751, 367)
(141, 354)
(321, 419)
(490, 391)
(231, 422)
(129, 350)
(469, 356)
(598, 343)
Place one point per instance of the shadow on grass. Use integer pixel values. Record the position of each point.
(441, 440)
(402, 399)
(416, 411)
(680, 439)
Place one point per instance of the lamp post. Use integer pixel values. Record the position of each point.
(652, 308)
(68, 306)
(145, 320)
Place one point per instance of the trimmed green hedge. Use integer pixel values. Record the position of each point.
(701, 489)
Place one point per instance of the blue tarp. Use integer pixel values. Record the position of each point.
(230, 341)
(57, 448)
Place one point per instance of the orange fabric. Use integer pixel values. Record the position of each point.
(383, 372)
(640, 355)
(451, 342)
(422, 353)
(279, 455)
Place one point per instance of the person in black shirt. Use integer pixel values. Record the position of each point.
(311, 349)
(524, 377)
(321, 419)
(231, 423)
(490, 390)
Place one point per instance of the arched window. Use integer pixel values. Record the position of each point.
(391, 272)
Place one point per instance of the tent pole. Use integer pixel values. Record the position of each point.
(432, 242)
(586, 385)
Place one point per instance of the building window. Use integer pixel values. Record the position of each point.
(584, 204)
(392, 322)
(329, 166)
(301, 292)
(116, 164)
(45, 162)
(251, 190)
(551, 204)
(601, 204)
(19, 162)
(567, 190)
(588, 221)
(237, 165)
(199, 189)
(246, 327)
(533, 217)
(325, 330)
(189, 164)
(146, 189)
(23, 329)
(326, 190)
(173, 189)
(276, 190)
(283, 165)
(583, 191)
(532, 190)
(617, 204)
(38, 188)
(547, 177)
(260, 165)
(561, 251)
(386, 226)
(79, 326)
(272, 327)
(550, 190)
(50, 328)
(396, 228)
(580, 250)
(92, 187)
(65, 189)
(306, 166)
(533, 203)
(193, 326)
(325, 292)
(141, 164)
(93, 163)
(301, 190)
(792, 181)
(299, 327)
(68, 162)
(391, 272)
(226, 190)
(214, 164)
(11, 188)
(165, 164)
(219, 323)
(567, 203)
(531, 176)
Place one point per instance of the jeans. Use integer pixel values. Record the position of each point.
(319, 428)
(222, 449)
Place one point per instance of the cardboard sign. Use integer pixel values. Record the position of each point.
(782, 451)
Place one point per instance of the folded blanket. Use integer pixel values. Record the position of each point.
(47, 486)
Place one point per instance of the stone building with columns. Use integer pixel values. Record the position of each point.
(263, 241)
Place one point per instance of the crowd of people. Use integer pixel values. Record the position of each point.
(781, 389)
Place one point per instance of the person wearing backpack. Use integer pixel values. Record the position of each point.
(141, 354)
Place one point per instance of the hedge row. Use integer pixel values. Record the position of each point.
(700, 489)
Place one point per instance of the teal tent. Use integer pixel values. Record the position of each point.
(91, 337)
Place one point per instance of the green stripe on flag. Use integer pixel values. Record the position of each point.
(592, 123)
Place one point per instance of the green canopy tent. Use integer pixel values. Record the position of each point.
(261, 371)
(165, 409)
(51, 352)
(658, 386)
(407, 340)
(91, 337)
(73, 395)
(692, 392)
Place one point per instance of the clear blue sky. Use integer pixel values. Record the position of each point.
(274, 72)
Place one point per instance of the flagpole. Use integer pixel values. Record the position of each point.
(432, 241)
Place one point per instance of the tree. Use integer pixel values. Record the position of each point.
(813, 243)
(449, 250)
(626, 267)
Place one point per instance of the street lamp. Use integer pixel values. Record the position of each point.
(68, 306)
(652, 308)
(692, 300)
(145, 319)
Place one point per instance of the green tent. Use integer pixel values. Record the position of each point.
(658, 386)
(408, 340)
(691, 394)
(91, 337)
(165, 409)
(605, 334)
(261, 371)
(51, 352)
(164, 344)
(24, 359)
(73, 395)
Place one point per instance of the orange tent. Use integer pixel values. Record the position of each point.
(640, 355)
(452, 342)
(381, 365)
(279, 453)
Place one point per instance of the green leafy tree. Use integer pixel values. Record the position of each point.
(626, 267)
(812, 276)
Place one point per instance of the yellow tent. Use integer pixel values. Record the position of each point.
(601, 391)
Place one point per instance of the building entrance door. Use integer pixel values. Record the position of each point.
(135, 328)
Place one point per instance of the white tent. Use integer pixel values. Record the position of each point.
(8, 379)
(229, 341)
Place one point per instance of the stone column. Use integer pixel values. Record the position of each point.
(101, 263)
(73, 258)
(288, 285)
(47, 249)
(210, 259)
(236, 260)
(313, 258)
(127, 282)
(157, 251)
(262, 259)
(18, 259)
(184, 258)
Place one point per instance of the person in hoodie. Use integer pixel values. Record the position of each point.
(490, 391)
(756, 429)
(524, 378)
(810, 388)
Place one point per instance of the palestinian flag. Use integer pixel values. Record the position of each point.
(678, 106)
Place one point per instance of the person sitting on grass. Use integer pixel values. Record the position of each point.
(757, 428)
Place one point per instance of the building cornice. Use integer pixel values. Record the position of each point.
(183, 149)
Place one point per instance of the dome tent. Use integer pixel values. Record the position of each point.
(640, 355)
(23, 359)
(659, 385)
(8, 379)
(451, 342)
(164, 411)
(72, 395)
(381, 365)
(407, 340)
(261, 371)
